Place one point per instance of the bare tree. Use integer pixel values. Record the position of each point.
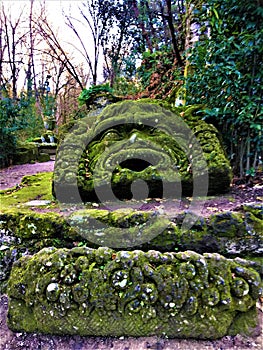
(144, 31)
(96, 22)
(2, 51)
(55, 49)
(172, 31)
(68, 107)
(31, 74)
(12, 44)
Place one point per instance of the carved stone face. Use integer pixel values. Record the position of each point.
(132, 154)
(139, 150)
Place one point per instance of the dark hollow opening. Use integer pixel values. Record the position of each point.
(124, 191)
(135, 164)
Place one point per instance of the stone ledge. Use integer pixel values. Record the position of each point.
(230, 234)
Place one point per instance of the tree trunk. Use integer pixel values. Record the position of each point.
(31, 66)
(248, 154)
(13, 66)
(172, 31)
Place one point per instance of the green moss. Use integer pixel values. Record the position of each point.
(134, 293)
(120, 228)
(255, 208)
(25, 231)
(247, 322)
(138, 130)
(227, 224)
(25, 153)
(103, 292)
(43, 157)
(32, 187)
(41, 226)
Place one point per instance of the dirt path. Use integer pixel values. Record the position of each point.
(12, 176)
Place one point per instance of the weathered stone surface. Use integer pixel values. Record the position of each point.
(104, 292)
(230, 234)
(23, 234)
(154, 144)
(25, 153)
(43, 157)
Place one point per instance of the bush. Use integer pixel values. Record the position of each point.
(18, 121)
(226, 76)
(10, 122)
(87, 95)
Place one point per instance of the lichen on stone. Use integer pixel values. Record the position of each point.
(105, 292)
(134, 140)
(236, 234)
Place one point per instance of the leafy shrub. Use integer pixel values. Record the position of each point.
(18, 121)
(158, 61)
(123, 86)
(87, 95)
(227, 77)
(10, 122)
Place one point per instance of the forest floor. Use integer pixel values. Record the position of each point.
(240, 193)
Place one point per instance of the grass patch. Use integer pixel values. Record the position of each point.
(32, 187)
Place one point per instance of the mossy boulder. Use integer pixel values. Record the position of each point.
(35, 151)
(134, 140)
(26, 152)
(228, 233)
(102, 292)
(28, 232)
(43, 157)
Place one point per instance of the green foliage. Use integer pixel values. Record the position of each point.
(87, 95)
(227, 72)
(123, 87)
(151, 62)
(118, 41)
(19, 120)
(48, 105)
(32, 120)
(11, 120)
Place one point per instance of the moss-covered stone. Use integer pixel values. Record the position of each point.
(25, 153)
(134, 140)
(46, 137)
(120, 228)
(43, 157)
(47, 148)
(229, 233)
(35, 151)
(142, 292)
(104, 292)
(28, 232)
